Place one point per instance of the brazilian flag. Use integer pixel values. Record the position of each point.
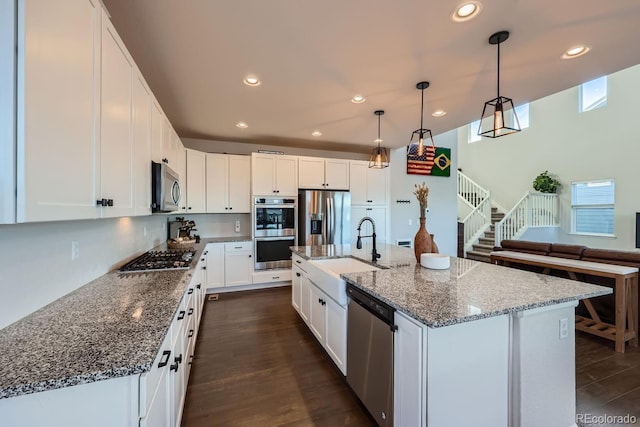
(442, 162)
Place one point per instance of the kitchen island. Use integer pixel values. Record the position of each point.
(477, 344)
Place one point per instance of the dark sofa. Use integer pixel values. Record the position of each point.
(604, 305)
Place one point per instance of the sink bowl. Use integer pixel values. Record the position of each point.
(344, 265)
(325, 274)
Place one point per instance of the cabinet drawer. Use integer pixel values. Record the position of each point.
(300, 262)
(271, 276)
(149, 381)
(238, 246)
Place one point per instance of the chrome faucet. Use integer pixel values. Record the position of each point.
(374, 254)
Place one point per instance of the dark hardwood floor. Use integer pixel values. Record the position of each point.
(257, 364)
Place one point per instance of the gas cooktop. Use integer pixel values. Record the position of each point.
(172, 259)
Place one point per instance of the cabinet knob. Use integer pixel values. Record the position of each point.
(199, 285)
(298, 274)
(165, 161)
(190, 291)
(230, 208)
(204, 267)
(189, 208)
(369, 201)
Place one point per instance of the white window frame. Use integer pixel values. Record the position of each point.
(473, 136)
(596, 105)
(574, 207)
(520, 109)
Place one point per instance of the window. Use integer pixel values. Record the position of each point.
(593, 94)
(522, 112)
(592, 205)
(473, 132)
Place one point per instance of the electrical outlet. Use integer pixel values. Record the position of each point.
(564, 328)
(75, 250)
(237, 226)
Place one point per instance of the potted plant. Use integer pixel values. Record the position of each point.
(545, 183)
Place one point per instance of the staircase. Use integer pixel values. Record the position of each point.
(482, 249)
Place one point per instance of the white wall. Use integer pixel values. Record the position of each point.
(442, 216)
(598, 144)
(36, 266)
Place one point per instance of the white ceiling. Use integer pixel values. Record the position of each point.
(313, 56)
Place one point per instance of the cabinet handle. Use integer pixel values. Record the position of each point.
(319, 300)
(190, 291)
(189, 208)
(298, 261)
(102, 202)
(369, 209)
(181, 315)
(204, 267)
(174, 367)
(237, 247)
(190, 311)
(275, 277)
(298, 274)
(165, 161)
(190, 333)
(199, 285)
(206, 252)
(369, 201)
(164, 359)
(230, 208)
(324, 302)
(178, 359)
(184, 208)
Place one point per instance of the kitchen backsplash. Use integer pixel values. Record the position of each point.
(218, 225)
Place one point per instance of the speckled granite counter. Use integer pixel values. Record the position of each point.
(111, 327)
(467, 291)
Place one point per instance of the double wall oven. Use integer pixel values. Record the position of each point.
(274, 228)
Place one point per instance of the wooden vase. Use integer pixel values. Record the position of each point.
(422, 242)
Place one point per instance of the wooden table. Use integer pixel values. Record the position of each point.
(625, 291)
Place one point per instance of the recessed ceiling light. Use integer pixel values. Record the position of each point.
(316, 133)
(252, 81)
(358, 99)
(466, 11)
(438, 113)
(576, 51)
(242, 125)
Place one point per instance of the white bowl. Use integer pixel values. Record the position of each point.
(435, 261)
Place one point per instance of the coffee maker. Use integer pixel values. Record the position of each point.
(182, 228)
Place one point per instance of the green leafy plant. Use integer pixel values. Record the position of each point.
(545, 183)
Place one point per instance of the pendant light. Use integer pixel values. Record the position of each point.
(379, 156)
(498, 118)
(418, 148)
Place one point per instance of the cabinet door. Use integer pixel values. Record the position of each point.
(379, 216)
(409, 382)
(263, 174)
(336, 172)
(357, 213)
(157, 122)
(317, 314)
(116, 145)
(311, 173)
(195, 182)
(217, 172)
(215, 265)
(305, 299)
(237, 268)
(180, 166)
(287, 175)
(240, 184)
(177, 386)
(58, 110)
(142, 145)
(378, 186)
(296, 278)
(336, 333)
(358, 182)
(167, 154)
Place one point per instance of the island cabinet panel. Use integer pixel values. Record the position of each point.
(305, 299)
(317, 316)
(336, 333)
(296, 278)
(469, 362)
(409, 372)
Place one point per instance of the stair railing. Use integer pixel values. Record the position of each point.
(479, 219)
(533, 210)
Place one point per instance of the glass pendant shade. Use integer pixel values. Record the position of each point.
(379, 156)
(499, 117)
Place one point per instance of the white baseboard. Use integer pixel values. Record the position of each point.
(247, 287)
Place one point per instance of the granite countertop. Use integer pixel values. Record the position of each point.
(111, 327)
(467, 291)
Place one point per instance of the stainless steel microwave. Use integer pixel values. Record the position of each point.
(165, 188)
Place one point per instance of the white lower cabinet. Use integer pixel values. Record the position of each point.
(229, 264)
(326, 319)
(409, 381)
(215, 265)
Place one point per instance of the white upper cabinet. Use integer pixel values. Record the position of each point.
(157, 124)
(228, 183)
(273, 174)
(142, 145)
(369, 186)
(58, 110)
(326, 174)
(195, 182)
(7, 112)
(116, 136)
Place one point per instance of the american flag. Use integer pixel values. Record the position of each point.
(420, 165)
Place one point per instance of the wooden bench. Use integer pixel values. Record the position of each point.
(625, 292)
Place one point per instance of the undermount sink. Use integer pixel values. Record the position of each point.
(344, 265)
(325, 274)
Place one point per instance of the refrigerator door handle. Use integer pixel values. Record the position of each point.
(328, 240)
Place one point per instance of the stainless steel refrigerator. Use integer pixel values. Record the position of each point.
(324, 217)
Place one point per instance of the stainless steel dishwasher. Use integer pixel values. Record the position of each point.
(370, 328)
